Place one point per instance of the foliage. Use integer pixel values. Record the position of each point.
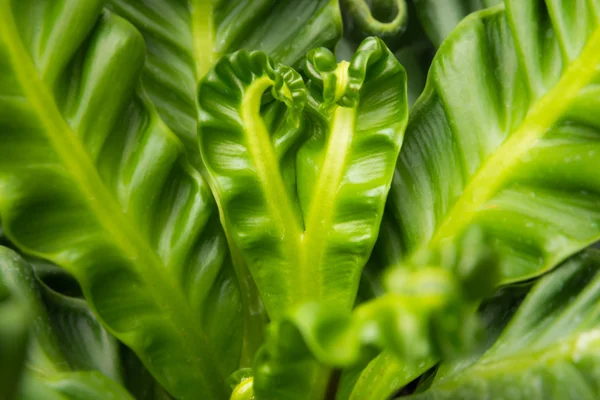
(292, 200)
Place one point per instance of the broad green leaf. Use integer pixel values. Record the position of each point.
(549, 350)
(186, 37)
(64, 341)
(504, 137)
(440, 17)
(301, 174)
(92, 180)
(426, 312)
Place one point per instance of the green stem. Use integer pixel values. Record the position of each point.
(202, 36)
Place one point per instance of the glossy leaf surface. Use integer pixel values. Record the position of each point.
(93, 180)
(549, 350)
(505, 137)
(301, 180)
(185, 38)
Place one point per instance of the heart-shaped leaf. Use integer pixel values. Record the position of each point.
(301, 180)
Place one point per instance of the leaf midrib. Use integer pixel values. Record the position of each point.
(267, 169)
(545, 112)
(202, 37)
(321, 213)
(107, 210)
(308, 242)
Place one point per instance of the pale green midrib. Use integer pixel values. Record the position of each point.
(202, 37)
(320, 215)
(308, 243)
(342, 78)
(267, 168)
(108, 213)
(565, 349)
(541, 117)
